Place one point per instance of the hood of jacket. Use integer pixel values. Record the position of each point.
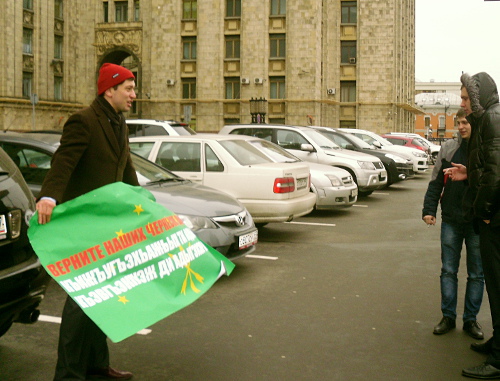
(482, 92)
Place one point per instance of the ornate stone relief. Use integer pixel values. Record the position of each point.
(28, 17)
(112, 38)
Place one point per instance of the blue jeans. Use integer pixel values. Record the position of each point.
(452, 238)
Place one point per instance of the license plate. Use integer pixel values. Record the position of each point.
(3, 227)
(301, 183)
(354, 192)
(247, 240)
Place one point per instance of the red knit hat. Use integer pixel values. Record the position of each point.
(111, 75)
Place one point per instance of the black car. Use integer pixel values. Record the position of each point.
(23, 280)
(398, 167)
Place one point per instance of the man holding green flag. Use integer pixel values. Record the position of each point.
(93, 153)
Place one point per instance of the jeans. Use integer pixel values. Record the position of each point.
(452, 237)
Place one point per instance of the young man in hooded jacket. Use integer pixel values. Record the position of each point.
(482, 201)
(455, 229)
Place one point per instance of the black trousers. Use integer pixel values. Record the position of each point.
(490, 255)
(82, 345)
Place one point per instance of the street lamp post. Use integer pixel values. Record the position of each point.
(258, 109)
(253, 109)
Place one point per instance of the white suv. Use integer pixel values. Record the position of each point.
(420, 158)
(310, 145)
(152, 127)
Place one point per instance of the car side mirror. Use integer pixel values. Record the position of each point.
(377, 144)
(349, 146)
(307, 147)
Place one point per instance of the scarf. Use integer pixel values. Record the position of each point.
(117, 120)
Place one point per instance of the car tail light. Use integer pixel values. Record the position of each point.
(15, 219)
(284, 185)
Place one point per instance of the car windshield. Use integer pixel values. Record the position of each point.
(141, 148)
(370, 139)
(321, 140)
(274, 151)
(148, 172)
(343, 141)
(182, 129)
(244, 152)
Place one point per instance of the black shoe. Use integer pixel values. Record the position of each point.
(484, 348)
(445, 325)
(109, 374)
(483, 371)
(473, 329)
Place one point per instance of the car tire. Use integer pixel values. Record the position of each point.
(5, 327)
(364, 193)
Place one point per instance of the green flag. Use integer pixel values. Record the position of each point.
(126, 260)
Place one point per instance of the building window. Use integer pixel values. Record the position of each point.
(58, 9)
(347, 124)
(58, 47)
(233, 8)
(278, 7)
(189, 48)
(27, 41)
(277, 87)
(427, 121)
(442, 122)
(189, 9)
(105, 11)
(27, 83)
(349, 12)
(277, 45)
(348, 52)
(58, 81)
(233, 47)
(28, 4)
(137, 8)
(232, 88)
(348, 91)
(189, 88)
(121, 11)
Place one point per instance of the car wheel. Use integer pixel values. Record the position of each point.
(364, 193)
(4, 328)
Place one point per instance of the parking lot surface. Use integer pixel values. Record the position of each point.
(346, 295)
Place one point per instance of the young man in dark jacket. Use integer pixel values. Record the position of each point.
(94, 152)
(455, 229)
(480, 100)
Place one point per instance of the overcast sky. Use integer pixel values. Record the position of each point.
(454, 36)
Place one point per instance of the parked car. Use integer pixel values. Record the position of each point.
(398, 167)
(151, 127)
(23, 280)
(216, 218)
(407, 141)
(334, 187)
(310, 145)
(272, 192)
(420, 159)
(435, 148)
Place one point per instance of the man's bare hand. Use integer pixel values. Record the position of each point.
(429, 220)
(456, 173)
(44, 208)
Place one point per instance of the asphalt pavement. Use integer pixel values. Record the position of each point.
(345, 295)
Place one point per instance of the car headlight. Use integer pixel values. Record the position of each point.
(397, 159)
(419, 154)
(366, 164)
(334, 180)
(197, 222)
